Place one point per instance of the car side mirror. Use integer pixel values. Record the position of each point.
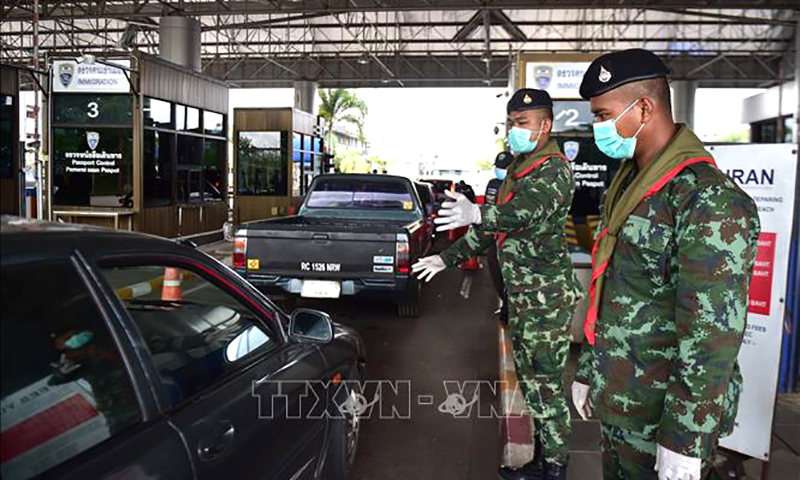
(307, 324)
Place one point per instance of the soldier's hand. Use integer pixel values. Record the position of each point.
(458, 213)
(427, 267)
(580, 398)
(674, 466)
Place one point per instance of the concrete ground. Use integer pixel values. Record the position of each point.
(455, 340)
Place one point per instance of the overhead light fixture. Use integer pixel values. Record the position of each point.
(87, 58)
(363, 59)
(385, 80)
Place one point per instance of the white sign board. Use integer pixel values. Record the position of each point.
(561, 80)
(767, 173)
(71, 76)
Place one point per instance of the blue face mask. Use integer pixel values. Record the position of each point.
(500, 173)
(78, 340)
(519, 140)
(610, 142)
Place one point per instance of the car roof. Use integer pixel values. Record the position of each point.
(361, 176)
(35, 239)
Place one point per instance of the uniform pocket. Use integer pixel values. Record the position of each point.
(650, 244)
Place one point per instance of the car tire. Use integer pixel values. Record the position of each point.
(409, 306)
(343, 439)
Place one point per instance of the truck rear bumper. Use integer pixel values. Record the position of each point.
(351, 286)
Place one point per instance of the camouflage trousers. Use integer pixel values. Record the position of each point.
(541, 345)
(631, 455)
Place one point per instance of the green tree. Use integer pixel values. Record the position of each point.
(485, 164)
(351, 162)
(741, 136)
(344, 106)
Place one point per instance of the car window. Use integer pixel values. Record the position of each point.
(357, 193)
(196, 331)
(64, 386)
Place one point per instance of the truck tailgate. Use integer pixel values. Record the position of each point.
(323, 253)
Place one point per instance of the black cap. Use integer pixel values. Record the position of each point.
(613, 70)
(503, 160)
(528, 99)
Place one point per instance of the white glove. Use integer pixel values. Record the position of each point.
(428, 267)
(459, 213)
(580, 398)
(674, 466)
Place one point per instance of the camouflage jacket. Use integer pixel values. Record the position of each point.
(673, 310)
(534, 255)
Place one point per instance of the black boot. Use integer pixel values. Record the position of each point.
(553, 471)
(529, 471)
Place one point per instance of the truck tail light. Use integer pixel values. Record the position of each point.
(403, 253)
(239, 252)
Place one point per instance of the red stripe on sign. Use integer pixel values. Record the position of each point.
(44, 426)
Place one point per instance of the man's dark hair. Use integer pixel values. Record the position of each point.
(655, 88)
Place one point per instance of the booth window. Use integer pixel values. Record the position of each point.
(186, 164)
(180, 117)
(214, 170)
(157, 113)
(262, 163)
(193, 120)
(214, 123)
(8, 112)
(190, 170)
(158, 162)
(93, 167)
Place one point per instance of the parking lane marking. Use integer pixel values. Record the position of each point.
(466, 285)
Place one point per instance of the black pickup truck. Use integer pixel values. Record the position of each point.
(353, 235)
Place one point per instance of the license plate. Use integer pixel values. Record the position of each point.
(320, 289)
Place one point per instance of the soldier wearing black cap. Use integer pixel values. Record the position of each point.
(670, 275)
(527, 226)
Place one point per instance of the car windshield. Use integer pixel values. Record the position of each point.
(361, 194)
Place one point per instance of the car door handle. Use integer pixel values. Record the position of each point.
(320, 237)
(214, 444)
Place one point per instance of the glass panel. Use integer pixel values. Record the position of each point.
(92, 108)
(158, 162)
(180, 117)
(189, 336)
(157, 113)
(262, 139)
(214, 123)
(361, 194)
(190, 150)
(8, 115)
(64, 388)
(189, 185)
(93, 167)
(214, 170)
(193, 120)
(260, 170)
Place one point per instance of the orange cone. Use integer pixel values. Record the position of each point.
(171, 291)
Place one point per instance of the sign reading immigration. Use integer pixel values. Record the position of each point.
(71, 76)
(561, 79)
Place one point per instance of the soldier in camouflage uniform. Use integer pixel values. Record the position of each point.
(669, 296)
(527, 224)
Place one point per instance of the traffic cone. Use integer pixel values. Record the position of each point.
(171, 291)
